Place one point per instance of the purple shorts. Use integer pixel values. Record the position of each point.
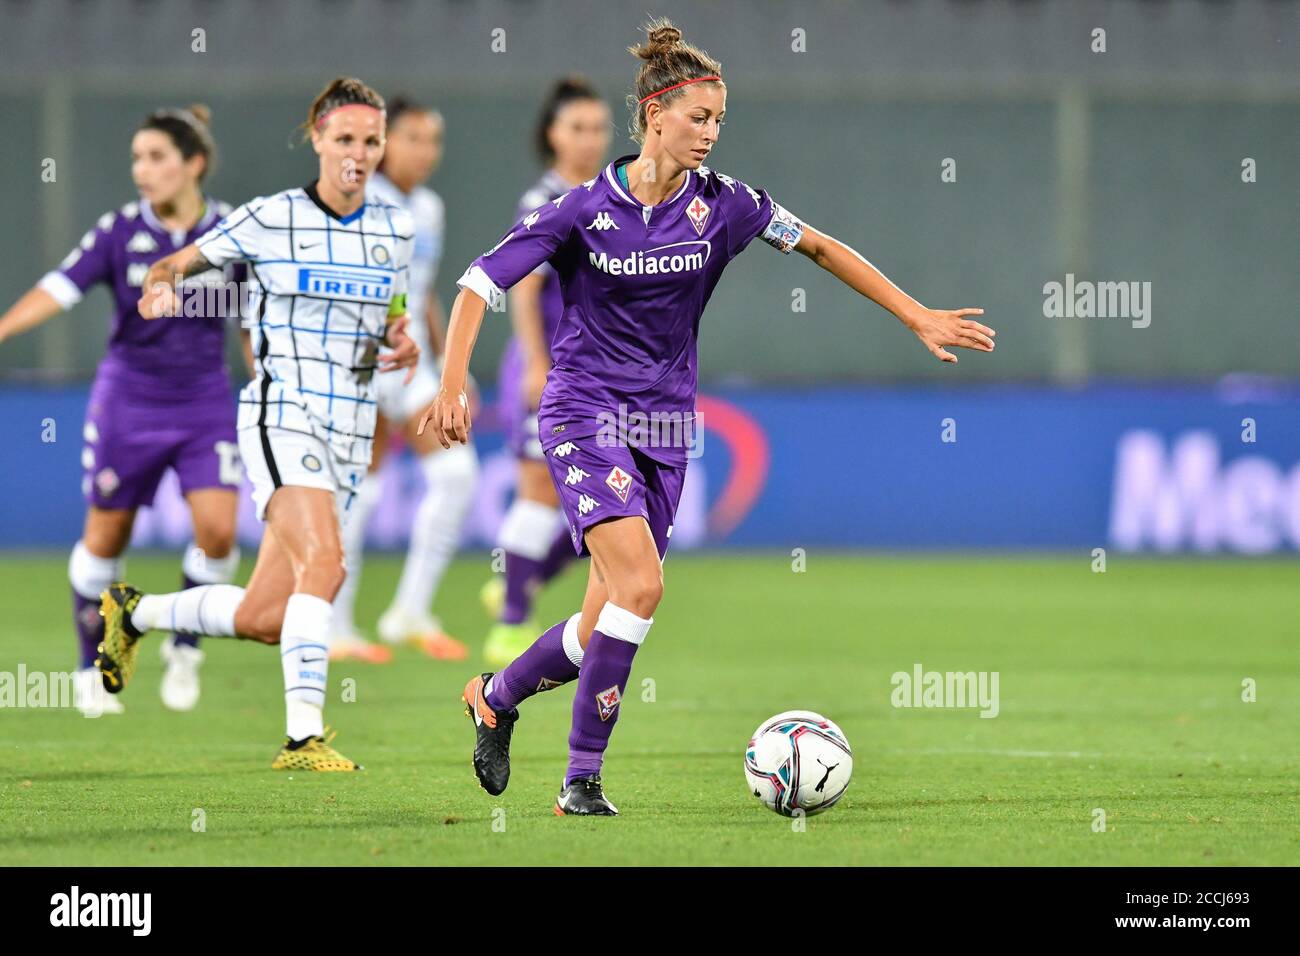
(131, 439)
(596, 483)
(518, 422)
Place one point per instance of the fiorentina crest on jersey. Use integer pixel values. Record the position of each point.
(698, 212)
(620, 481)
(607, 702)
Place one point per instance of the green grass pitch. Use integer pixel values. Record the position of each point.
(1119, 691)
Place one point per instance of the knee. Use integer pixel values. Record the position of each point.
(323, 574)
(640, 593)
(106, 538)
(215, 536)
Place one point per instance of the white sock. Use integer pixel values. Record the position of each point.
(304, 655)
(619, 622)
(89, 575)
(354, 535)
(569, 640)
(529, 528)
(201, 569)
(450, 477)
(207, 610)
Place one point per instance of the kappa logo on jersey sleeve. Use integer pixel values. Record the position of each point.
(620, 481)
(530, 220)
(603, 222)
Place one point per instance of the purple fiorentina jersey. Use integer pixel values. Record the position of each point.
(171, 358)
(520, 424)
(545, 190)
(635, 280)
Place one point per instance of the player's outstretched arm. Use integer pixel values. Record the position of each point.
(936, 328)
(158, 296)
(449, 413)
(35, 307)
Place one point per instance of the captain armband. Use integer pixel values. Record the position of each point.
(397, 307)
(784, 231)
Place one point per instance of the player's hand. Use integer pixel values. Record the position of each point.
(535, 382)
(449, 418)
(405, 353)
(158, 300)
(937, 328)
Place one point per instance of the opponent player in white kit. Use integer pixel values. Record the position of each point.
(329, 270)
(412, 153)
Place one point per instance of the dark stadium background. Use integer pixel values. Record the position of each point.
(1115, 166)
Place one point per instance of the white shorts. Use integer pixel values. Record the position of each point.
(400, 403)
(274, 457)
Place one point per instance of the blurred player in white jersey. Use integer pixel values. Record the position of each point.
(329, 269)
(413, 152)
(572, 138)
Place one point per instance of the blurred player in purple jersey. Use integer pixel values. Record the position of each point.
(573, 135)
(639, 250)
(161, 397)
(413, 151)
(329, 272)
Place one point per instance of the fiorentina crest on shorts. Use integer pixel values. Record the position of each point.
(620, 481)
(698, 212)
(607, 701)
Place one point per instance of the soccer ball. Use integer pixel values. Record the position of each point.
(798, 761)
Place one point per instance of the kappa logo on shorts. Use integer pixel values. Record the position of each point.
(311, 462)
(559, 451)
(607, 701)
(620, 481)
(575, 475)
(107, 482)
(586, 504)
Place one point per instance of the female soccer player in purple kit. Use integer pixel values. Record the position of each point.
(161, 397)
(638, 250)
(573, 138)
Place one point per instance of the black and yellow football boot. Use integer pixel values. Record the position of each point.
(313, 753)
(121, 645)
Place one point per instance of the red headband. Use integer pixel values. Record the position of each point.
(698, 79)
(320, 120)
